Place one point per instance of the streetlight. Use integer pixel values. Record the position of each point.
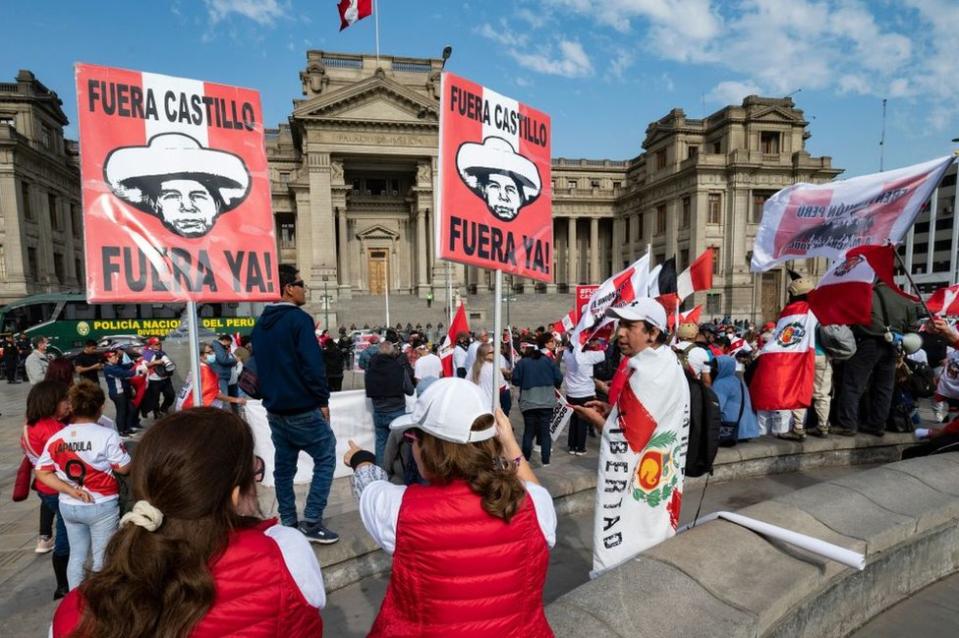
(326, 305)
(447, 52)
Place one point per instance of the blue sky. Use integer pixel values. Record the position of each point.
(603, 69)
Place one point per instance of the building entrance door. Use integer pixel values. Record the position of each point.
(770, 295)
(376, 272)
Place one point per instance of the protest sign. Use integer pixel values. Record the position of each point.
(562, 412)
(826, 220)
(176, 189)
(583, 295)
(494, 202)
(618, 290)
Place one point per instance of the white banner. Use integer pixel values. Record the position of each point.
(826, 220)
(562, 412)
(618, 290)
(351, 416)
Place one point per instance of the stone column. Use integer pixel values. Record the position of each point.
(554, 266)
(304, 235)
(323, 259)
(421, 253)
(572, 271)
(594, 250)
(343, 249)
(617, 241)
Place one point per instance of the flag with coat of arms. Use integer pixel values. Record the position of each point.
(786, 367)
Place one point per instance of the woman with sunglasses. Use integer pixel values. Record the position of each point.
(470, 548)
(194, 558)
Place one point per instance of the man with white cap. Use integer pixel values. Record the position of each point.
(482, 500)
(643, 447)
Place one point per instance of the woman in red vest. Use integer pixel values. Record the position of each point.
(471, 548)
(193, 558)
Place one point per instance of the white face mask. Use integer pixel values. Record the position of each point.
(211, 358)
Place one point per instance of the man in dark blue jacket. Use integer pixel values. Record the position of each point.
(292, 379)
(223, 364)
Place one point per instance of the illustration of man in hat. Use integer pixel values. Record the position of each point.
(499, 175)
(174, 178)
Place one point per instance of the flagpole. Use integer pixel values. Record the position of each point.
(376, 19)
(912, 284)
(497, 338)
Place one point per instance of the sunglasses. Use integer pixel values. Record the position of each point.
(259, 469)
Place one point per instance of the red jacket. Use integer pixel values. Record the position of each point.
(255, 595)
(459, 572)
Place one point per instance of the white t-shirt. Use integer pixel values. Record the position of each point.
(486, 378)
(380, 509)
(460, 356)
(949, 379)
(579, 372)
(429, 365)
(471, 355)
(85, 455)
(698, 357)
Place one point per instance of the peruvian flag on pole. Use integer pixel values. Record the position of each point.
(692, 316)
(844, 294)
(458, 325)
(945, 301)
(618, 290)
(787, 363)
(698, 277)
(353, 10)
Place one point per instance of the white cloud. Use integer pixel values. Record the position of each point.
(571, 61)
(620, 63)
(732, 92)
(854, 83)
(264, 12)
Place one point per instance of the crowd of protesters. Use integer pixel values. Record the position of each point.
(446, 477)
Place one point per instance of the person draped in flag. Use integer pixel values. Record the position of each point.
(644, 438)
(781, 386)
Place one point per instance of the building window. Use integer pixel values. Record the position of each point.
(285, 177)
(659, 258)
(376, 187)
(75, 220)
(714, 211)
(54, 212)
(683, 259)
(687, 211)
(759, 199)
(640, 230)
(661, 159)
(692, 152)
(714, 304)
(717, 147)
(286, 230)
(58, 268)
(769, 142)
(78, 268)
(45, 137)
(8, 120)
(617, 185)
(661, 219)
(34, 270)
(594, 183)
(715, 260)
(25, 195)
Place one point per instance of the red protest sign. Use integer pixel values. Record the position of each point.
(176, 191)
(583, 293)
(495, 199)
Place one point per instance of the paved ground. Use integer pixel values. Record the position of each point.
(931, 613)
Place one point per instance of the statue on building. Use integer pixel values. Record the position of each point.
(314, 79)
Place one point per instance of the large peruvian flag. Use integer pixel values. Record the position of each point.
(692, 316)
(458, 325)
(176, 189)
(844, 294)
(494, 203)
(945, 301)
(827, 220)
(353, 10)
(696, 278)
(642, 456)
(618, 290)
(784, 375)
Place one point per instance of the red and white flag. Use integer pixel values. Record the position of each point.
(827, 220)
(618, 290)
(691, 316)
(353, 10)
(844, 294)
(642, 456)
(787, 363)
(458, 325)
(945, 301)
(698, 277)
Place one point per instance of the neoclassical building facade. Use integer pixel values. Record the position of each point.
(354, 175)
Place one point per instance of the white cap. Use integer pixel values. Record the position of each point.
(643, 309)
(447, 410)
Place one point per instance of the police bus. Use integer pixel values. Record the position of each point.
(68, 320)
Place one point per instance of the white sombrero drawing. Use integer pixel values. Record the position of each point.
(134, 172)
(475, 162)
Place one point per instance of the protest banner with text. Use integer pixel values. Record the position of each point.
(827, 220)
(495, 200)
(176, 189)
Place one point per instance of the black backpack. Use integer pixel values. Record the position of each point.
(922, 380)
(705, 422)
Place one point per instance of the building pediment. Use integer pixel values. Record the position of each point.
(776, 114)
(377, 98)
(377, 231)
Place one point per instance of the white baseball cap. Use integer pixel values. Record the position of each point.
(643, 309)
(447, 410)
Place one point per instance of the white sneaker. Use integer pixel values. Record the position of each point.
(44, 544)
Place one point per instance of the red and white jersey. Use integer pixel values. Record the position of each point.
(85, 455)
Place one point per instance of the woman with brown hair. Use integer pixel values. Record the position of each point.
(193, 558)
(471, 548)
(60, 369)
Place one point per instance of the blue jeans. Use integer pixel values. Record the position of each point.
(61, 544)
(89, 527)
(309, 432)
(381, 428)
(536, 424)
